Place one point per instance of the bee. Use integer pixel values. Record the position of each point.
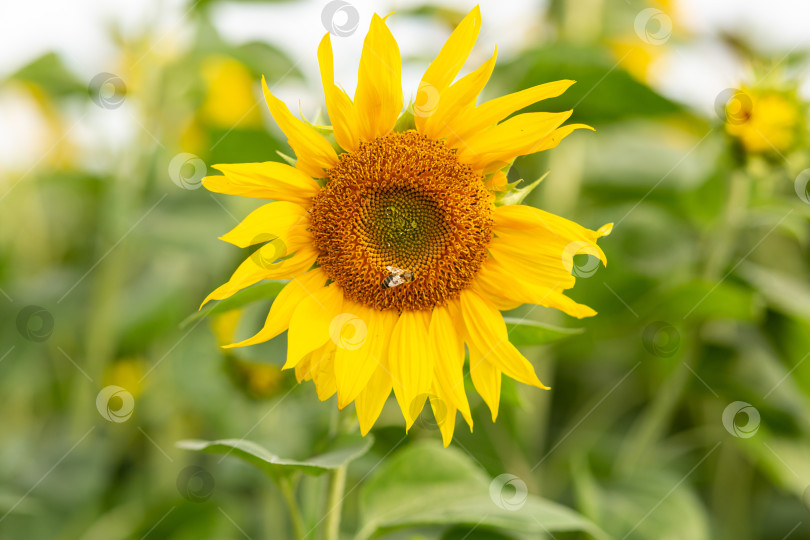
(396, 277)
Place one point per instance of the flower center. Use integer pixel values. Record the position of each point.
(401, 224)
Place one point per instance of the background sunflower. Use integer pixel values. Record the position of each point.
(680, 411)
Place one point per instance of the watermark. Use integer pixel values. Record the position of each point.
(340, 18)
(806, 498)
(187, 171)
(115, 404)
(584, 266)
(802, 186)
(35, 323)
(508, 492)
(426, 106)
(423, 417)
(731, 415)
(269, 256)
(195, 484)
(733, 106)
(653, 26)
(661, 339)
(107, 90)
(348, 331)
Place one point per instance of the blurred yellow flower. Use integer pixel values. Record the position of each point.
(399, 256)
(763, 120)
(126, 373)
(229, 99)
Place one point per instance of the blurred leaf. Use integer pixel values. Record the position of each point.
(604, 91)
(701, 300)
(785, 293)
(265, 59)
(50, 74)
(425, 484)
(263, 291)
(651, 506)
(525, 333)
(340, 451)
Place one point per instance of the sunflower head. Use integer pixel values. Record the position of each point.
(399, 254)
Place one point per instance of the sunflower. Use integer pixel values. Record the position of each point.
(389, 229)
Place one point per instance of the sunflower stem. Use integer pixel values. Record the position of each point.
(286, 486)
(334, 505)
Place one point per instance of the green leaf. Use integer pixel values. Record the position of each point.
(50, 74)
(702, 300)
(264, 291)
(523, 333)
(339, 452)
(604, 91)
(785, 293)
(514, 194)
(632, 508)
(425, 484)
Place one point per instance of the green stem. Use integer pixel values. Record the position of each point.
(287, 491)
(334, 505)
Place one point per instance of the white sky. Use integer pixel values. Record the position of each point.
(78, 29)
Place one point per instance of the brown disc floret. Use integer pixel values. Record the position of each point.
(402, 205)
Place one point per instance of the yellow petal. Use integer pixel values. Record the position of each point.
(444, 411)
(360, 352)
(499, 281)
(441, 72)
(278, 319)
(264, 263)
(378, 99)
(520, 135)
(315, 154)
(486, 330)
(496, 110)
(411, 362)
(268, 222)
(323, 371)
(267, 180)
(487, 380)
(370, 401)
(448, 367)
(457, 101)
(339, 106)
(309, 324)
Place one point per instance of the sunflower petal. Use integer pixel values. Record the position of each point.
(448, 368)
(278, 319)
(309, 324)
(444, 411)
(496, 110)
(518, 136)
(339, 106)
(264, 264)
(441, 72)
(359, 356)
(378, 99)
(268, 222)
(457, 101)
(486, 330)
(315, 154)
(487, 380)
(370, 402)
(411, 363)
(267, 180)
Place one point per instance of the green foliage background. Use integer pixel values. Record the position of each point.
(705, 302)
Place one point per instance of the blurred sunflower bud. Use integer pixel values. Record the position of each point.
(765, 120)
(257, 380)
